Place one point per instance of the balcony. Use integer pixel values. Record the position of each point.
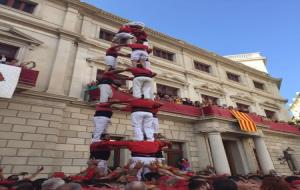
(208, 111)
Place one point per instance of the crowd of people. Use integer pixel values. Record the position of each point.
(15, 62)
(154, 176)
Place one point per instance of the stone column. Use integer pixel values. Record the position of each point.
(60, 66)
(263, 155)
(81, 73)
(218, 153)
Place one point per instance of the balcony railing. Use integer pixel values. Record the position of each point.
(208, 111)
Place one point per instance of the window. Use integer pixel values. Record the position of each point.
(259, 85)
(243, 107)
(9, 51)
(209, 100)
(233, 77)
(106, 35)
(202, 66)
(163, 54)
(290, 160)
(175, 154)
(163, 90)
(22, 5)
(270, 114)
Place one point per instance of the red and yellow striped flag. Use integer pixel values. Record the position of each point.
(245, 122)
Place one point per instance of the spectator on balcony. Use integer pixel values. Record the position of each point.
(178, 100)
(13, 62)
(3, 59)
(142, 82)
(197, 104)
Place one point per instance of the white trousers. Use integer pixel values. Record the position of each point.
(105, 92)
(122, 36)
(155, 124)
(142, 123)
(142, 85)
(147, 65)
(139, 55)
(103, 166)
(111, 61)
(101, 125)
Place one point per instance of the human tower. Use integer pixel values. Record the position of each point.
(145, 147)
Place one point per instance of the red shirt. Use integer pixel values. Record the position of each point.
(137, 72)
(126, 29)
(139, 34)
(142, 147)
(112, 51)
(90, 174)
(107, 77)
(144, 103)
(105, 106)
(137, 46)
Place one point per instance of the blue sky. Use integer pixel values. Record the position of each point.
(226, 27)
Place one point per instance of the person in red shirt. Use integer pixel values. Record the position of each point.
(141, 151)
(101, 155)
(134, 28)
(106, 80)
(102, 118)
(111, 57)
(142, 82)
(87, 175)
(141, 118)
(140, 54)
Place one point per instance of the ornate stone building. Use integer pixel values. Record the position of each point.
(49, 122)
(295, 106)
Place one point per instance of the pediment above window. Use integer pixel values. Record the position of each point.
(9, 32)
(172, 77)
(210, 88)
(242, 97)
(269, 104)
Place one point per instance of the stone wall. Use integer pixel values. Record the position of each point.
(35, 131)
(276, 144)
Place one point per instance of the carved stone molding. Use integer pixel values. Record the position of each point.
(210, 88)
(8, 31)
(173, 78)
(269, 104)
(242, 97)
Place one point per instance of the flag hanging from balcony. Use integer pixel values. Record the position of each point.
(245, 122)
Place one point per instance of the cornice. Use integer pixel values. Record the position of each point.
(89, 9)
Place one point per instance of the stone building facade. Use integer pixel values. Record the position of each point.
(295, 106)
(51, 124)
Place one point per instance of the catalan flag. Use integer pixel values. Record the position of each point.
(245, 122)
